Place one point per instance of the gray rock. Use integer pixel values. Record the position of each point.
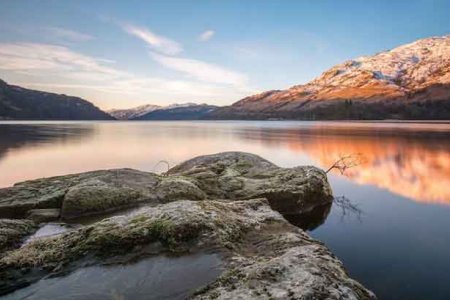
(44, 215)
(13, 231)
(229, 175)
(94, 192)
(239, 175)
(266, 257)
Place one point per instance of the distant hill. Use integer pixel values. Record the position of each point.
(17, 103)
(184, 111)
(409, 82)
(131, 113)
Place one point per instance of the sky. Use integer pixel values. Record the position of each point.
(121, 54)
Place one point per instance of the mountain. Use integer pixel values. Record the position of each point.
(189, 111)
(408, 82)
(131, 113)
(17, 103)
(177, 111)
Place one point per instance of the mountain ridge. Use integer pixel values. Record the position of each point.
(18, 103)
(411, 81)
(175, 111)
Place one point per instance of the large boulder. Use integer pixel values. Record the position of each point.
(265, 257)
(94, 192)
(228, 175)
(239, 175)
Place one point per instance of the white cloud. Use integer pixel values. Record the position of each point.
(201, 70)
(47, 57)
(68, 34)
(207, 35)
(156, 42)
(59, 69)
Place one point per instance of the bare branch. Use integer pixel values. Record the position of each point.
(165, 162)
(346, 162)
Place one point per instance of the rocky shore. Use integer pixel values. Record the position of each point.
(234, 205)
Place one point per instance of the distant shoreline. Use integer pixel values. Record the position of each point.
(236, 120)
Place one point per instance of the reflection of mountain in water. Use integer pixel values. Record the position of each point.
(13, 136)
(412, 163)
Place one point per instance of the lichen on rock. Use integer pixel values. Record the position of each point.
(13, 231)
(266, 256)
(238, 175)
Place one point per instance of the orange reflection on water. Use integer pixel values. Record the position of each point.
(412, 160)
(414, 166)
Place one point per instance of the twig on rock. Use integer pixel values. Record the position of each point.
(165, 162)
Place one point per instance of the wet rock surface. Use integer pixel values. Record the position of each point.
(226, 205)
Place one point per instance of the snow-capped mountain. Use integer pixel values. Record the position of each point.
(131, 113)
(179, 111)
(409, 82)
(190, 111)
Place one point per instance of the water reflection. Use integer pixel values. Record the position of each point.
(408, 162)
(412, 160)
(158, 277)
(400, 250)
(13, 137)
(312, 219)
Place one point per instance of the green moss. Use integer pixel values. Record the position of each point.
(102, 239)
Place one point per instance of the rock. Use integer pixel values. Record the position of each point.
(229, 175)
(239, 175)
(94, 192)
(13, 231)
(265, 255)
(284, 264)
(44, 215)
(17, 201)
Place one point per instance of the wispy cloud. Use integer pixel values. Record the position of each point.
(201, 70)
(68, 34)
(155, 42)
(165, 51)
(47, 57)
(68, 71)
(207, 35)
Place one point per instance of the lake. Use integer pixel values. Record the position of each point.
(396, 241)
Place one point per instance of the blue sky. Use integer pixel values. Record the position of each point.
(120, 54)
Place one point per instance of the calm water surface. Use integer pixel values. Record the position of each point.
(398, 246)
